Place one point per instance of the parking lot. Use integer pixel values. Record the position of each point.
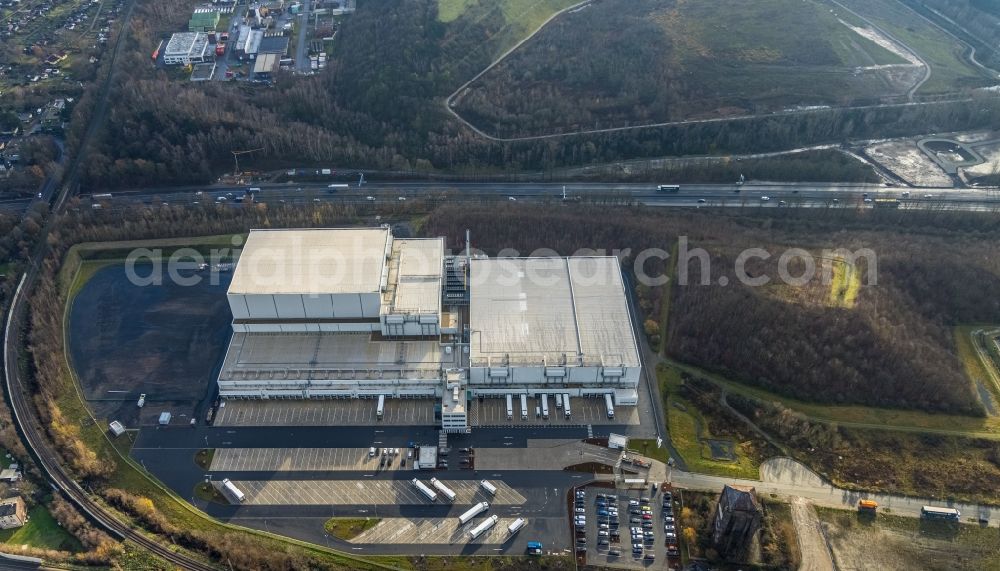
(303, 459)
(618, 552)
(354, 412)
(434, 531)
(367, 492)
(492, 412)
(544, 455)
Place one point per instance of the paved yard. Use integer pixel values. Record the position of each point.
(304, 459)
(367, 492)
(360, 412)
(436, 531)
(492, 412)
(544, 455)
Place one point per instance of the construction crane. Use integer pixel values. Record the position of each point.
(236, 159)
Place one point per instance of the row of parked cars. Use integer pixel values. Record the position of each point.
(670, 525)
(607, 521)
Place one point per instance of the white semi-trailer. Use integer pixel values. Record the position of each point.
(610, 405)
(510, 408)
(516, 525)
(566, 405)
(380, 410)
(233, 492)
(425, 490)
(488, 487)
(483, 527)
(443, 489)
(524, 407)
(473, 512)
(545, 406)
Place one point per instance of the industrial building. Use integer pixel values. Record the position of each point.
(359, 313)
(187, 48)
(543, 323)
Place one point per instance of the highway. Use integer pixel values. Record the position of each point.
(770, 195)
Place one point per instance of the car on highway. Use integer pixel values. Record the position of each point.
(512, 198)
(928, 196)
(782, 203)
(868, 200)
(401, 198)
(765, 198)
(905, 194)
(370, 198)
(702, 201)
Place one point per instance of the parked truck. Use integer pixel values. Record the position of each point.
(425, 490)
(510, 408)
(380, 409)
(516, 525)
(486, 485)
(610, 405)
(524, 407)
(545, 406)
(566, 405)
(234, 493)
(443, 489)
(473, 512)
(483, 527)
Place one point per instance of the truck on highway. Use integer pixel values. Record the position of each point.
(235, 494)
(609, 404)
(946, 514)
(334, 187)
(668, 188)
(488, 487)
(483, 526)
(524, 407)
(510, 408)
(566, 405)
(445, 490)
(516, 525)
(473, 512)
(380, 409)
(425, 490)
(545, 406)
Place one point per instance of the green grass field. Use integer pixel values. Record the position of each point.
(41, 531)
(683, 423)
(950, 70)
(349, 528)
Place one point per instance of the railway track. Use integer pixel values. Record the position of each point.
(19, 390)
(46, 455)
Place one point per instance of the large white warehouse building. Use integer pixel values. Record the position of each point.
(356, 312)
(537, 324)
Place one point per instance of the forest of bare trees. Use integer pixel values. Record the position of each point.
(894, 348)
(378, 106)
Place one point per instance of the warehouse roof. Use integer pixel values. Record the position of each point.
(186, 43)
(283, 356)
(313, 261)
(414, 276)
(553, 311)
